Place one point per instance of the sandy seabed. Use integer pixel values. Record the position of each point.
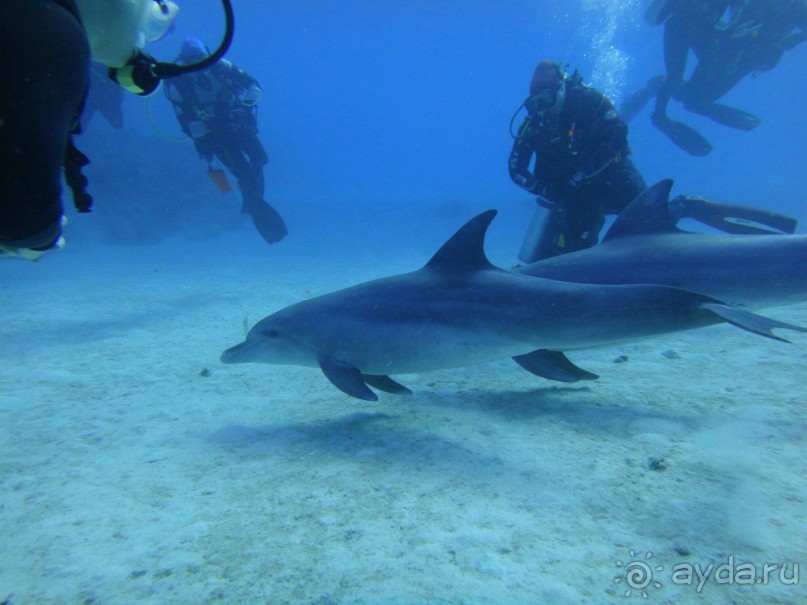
(136, 469)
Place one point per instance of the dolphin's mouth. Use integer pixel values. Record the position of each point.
(238, 353)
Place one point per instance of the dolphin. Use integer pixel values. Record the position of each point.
(643, 246)
(460, 310)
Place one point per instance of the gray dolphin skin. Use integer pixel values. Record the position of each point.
(460, 310)
(643, 246)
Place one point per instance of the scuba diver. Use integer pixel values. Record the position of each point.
(582, 171)
(42, 91)
(731, 39)
(217, 109)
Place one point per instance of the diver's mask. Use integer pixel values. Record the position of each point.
(546, 102)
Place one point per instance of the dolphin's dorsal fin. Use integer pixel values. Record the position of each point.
(465, 250)
(648, 213)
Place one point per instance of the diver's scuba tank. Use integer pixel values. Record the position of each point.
(142, 73)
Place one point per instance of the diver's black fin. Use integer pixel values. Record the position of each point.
(552, 365)
(267, 221)
(728, 116)
(685, 137)
(742, 220)
(751, 321)
(631, 106)
(384, 383)
(658, 11)
(346, 378)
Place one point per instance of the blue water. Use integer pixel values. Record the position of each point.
(128, 478)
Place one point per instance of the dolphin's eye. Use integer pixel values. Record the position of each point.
(271, 333)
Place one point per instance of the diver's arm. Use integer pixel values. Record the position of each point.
(190, 124)
(251, 88)
(520, 158)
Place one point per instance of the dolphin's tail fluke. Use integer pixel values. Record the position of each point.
(751, 321)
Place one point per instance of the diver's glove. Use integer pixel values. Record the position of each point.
(527, 181)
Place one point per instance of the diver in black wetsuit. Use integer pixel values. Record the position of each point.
(731, 39)
(47, 46)
(217, 108)
(582, 171)
(42, 84)
(760, 34)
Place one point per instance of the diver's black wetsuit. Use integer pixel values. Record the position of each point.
(730, 57)
(581, 168)
(43, 80)
(216, 108)
(690, 25)
(211, 97)
(754, 39)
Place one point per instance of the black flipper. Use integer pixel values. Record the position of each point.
(631, 106)
(552, 365)
(658, 11)
(346, 378)
(267, 221)
(741, 220)
(685, 137)
(728, 116)
(751, 321)
(386, 384)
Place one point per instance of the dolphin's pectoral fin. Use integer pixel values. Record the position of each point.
(346, 378)
(386, 384)
(552, 365)
(751, 321)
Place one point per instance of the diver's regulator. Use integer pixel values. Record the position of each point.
(142, 73)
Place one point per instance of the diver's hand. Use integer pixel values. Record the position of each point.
(527, 181)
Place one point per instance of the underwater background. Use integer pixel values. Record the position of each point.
(138, 469)
(378, 112)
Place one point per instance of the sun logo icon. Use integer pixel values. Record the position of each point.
(638, 574)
